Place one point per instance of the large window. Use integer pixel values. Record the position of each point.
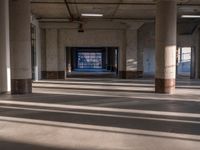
(89, 60)
(184, 54)
(184, 61)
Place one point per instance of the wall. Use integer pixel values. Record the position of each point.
(131, 53)
(136, 43)
(90, 38)
(146, 48)
(58, 36)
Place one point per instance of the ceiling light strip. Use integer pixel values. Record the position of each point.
(91, 15)
(190, 16)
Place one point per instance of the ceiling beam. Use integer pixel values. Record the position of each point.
(108, 3)
(92, 3)
(114, 18)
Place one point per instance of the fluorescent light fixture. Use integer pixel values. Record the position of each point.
(190, 16)
(91, 15)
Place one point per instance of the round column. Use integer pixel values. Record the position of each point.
(4, 47)
(21, 73)
(166, 28)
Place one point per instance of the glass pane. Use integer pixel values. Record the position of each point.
(89, 60)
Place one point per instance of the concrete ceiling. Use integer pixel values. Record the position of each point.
(112, 9)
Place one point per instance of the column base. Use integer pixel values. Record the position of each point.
(21, 86)
(53, 75)
(122, 74)
(133, 74)
(130, 74)
(165, 86)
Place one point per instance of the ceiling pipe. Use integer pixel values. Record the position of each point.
(69, 11)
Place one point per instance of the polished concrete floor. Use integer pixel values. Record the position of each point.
(101, 114)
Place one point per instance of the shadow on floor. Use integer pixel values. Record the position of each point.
(119, 119)
(14, 145)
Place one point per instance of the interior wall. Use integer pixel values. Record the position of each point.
(58, 36)
(149, 62)
(146, 48)
(51, 49)
(90, 38)
(131, 53)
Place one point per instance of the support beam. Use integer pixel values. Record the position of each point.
(166, 27)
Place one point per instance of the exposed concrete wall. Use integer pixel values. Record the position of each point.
(185, 40)
(131, 50)
(139, 44)
(51, 50)
(90, 38)
(58, 36)
(146, 47)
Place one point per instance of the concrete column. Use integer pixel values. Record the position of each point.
(21, 72)
(4, 47)
(52, 53)
(111, 59)
(43, 53)
(107, 59)
(166, 24)
(38, 45)
(122, 58)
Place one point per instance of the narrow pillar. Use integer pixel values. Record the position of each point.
(4, 47)
(21, 72)
(166, 24)
(112, 59)
(122, 58)
(68, 65)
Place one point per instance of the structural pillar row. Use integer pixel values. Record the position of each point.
(4, 47)
(166, 30)
(21, 76)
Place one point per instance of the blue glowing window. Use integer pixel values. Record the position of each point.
(89, 60)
